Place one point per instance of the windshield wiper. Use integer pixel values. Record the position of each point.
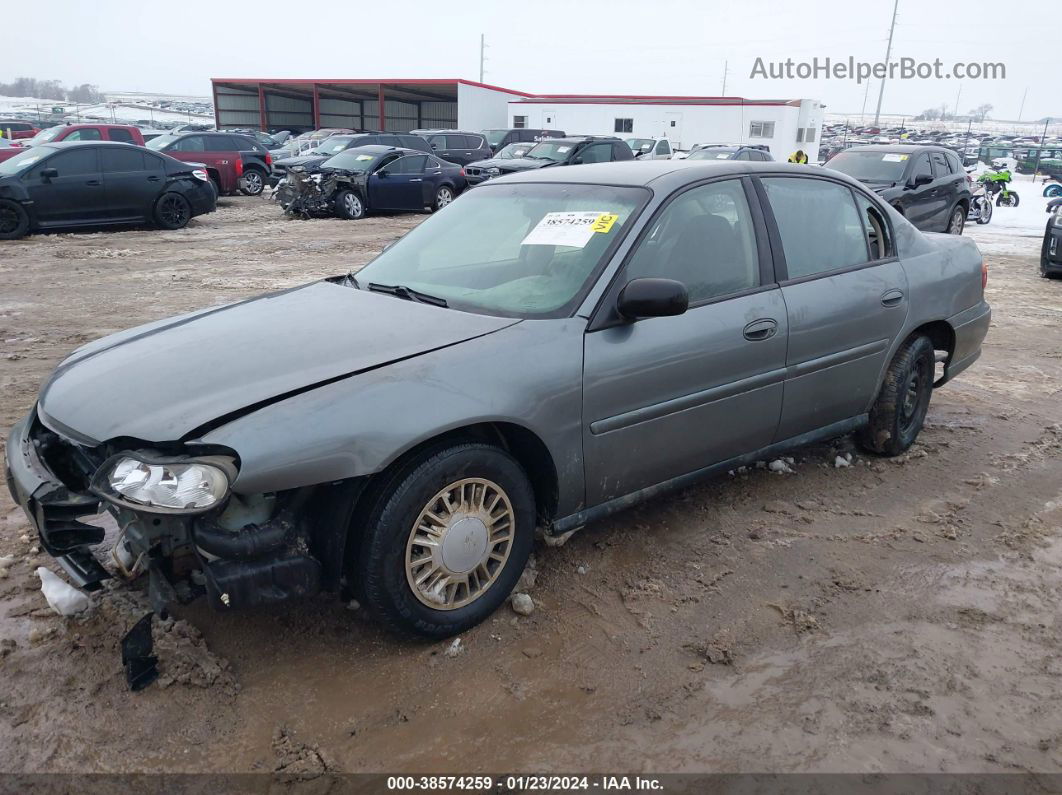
(408, 293)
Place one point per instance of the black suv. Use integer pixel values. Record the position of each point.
(753, 152)
(569, 151)
(926, 184)
(332, 146)
(498, 139)
(456, 146)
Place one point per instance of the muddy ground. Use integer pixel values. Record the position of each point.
(892, 615)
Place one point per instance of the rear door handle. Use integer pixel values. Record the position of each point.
(416, 179)
(891, 298)
(154, 179)
(95, 183)
(759, 330)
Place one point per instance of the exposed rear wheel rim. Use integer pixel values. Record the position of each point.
(173, 211)
(460, 543)
(444, 198)
(956, 221)
(914, 395)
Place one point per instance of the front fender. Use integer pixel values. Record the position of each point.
(529, 374)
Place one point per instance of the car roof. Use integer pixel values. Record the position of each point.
(379, 149)
(74, 144)
(903, 148)
(667, 173)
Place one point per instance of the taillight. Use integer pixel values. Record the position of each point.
(239, 166)
(984, 274)
(269, 159)
(198, 173)
(462, 172)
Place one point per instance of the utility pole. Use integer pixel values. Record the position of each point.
(1040, 150)
(482, 55)
(956, 113)
(888, 54)
(726, 68)
(1021, 110)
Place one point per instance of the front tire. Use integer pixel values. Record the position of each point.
(349, 205)
(1011, 200)
(900, 409)
(253, 182)
(172, 211)
(14, 220)
(985, 215)
(445, 539)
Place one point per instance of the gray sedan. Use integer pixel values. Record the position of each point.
(551, 348)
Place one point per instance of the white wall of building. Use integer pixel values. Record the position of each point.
(482, 108)
(683, 125)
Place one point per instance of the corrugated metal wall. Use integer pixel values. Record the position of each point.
(438, 115)
(288, 111)
(344, 113)
(237, 108)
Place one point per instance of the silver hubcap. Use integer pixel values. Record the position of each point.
(252, 181)
(352, 205)
(445, 197)
(459, 544)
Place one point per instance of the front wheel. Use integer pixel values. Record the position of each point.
(985, 213)
(957, 221)
(443, 196)
(349, 205)
(172, 211)
(900, 409)
(1010, 200)
(252, 183)
(445, 539)
(14, 220)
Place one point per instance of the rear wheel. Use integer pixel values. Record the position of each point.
(985, 215)
(446, 537)
(443, 196)
(900, 409)
(349, 205)
(172, 211)
(957, 220)
(14, 220)
(1051, 191)
(253, 181)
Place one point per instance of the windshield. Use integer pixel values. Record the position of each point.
(524, 250)
(161, 141)
(24, 160)
(351, 160)
(712, 153)
(870, 166)
(44, 136)
(556, 152)
(494, 137)
(510, 151)
(636, 144)
(334, 145)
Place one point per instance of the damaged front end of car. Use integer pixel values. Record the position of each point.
(312, 194)
(178, 519)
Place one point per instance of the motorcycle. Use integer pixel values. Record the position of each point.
(995, 183)
(980, 206)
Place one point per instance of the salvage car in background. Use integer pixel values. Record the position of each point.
(337, 143)
(122, 133)
(650, 148)
(457, 146)
(1051, 249)
(554, 347)
(498, 139)
(234, 162)
(574, 150)
(754, 153)
(925, 184)
(63, 185)
(370, 178)
(482, 170)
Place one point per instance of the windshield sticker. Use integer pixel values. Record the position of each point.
(893, 158)
(563, 149)
(363, 157)
(568, 229)
(724, 156)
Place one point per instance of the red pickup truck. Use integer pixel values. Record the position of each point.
(234, 162)
(15, 129)
(123, 133)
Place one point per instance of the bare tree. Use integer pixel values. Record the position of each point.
(980, 113)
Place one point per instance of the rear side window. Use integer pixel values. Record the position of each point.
(412, 142)
(118, 134)
(438, 141)
(116, 161)
(705, 239)
(877, 229)
(663, 147)
(953, 161)
(390, 140)
(921, 166)
(940, 165)
(818, 223)
(87, 134)
(414, 164)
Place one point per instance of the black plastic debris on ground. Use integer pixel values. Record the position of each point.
(141, 666)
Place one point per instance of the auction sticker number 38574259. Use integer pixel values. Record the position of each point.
(573, 229)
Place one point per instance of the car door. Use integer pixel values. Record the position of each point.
(594, 153)
(947, 188)
(846, 299)
(400, 184)
(75, 195)
(920, 203)
(132, 180)
(670, 395)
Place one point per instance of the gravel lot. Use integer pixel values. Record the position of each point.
(892, 615)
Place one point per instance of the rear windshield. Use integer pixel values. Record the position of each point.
(712, 153)
(870, 166)
(494, 137)
(161, 141)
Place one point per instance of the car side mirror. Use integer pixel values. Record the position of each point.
(920, 180)
(652, 298)
(382, 172)
(49, 173)
(577, 161)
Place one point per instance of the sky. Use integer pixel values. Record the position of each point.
(677, 47)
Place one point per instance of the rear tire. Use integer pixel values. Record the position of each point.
(900, 409)
(443, 196)
(1011, 200)
(464, 542)
(253, 182)
(985, 215)
(172, 211)
(14, 220)
(957, 221)
(349, 205)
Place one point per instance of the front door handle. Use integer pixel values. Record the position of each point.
(95, 183)
(892, 297)
(759, 330)
(154, 179)
(416, 179)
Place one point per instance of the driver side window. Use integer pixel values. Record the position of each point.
(704, 239)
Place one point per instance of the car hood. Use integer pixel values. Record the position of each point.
(494, 162)
(301, 160)
(160, 382)
(878, 186)
(523, 164)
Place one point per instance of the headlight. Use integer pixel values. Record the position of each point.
(179, 485)
(493, 170)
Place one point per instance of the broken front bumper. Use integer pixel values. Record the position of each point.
(185, 555)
